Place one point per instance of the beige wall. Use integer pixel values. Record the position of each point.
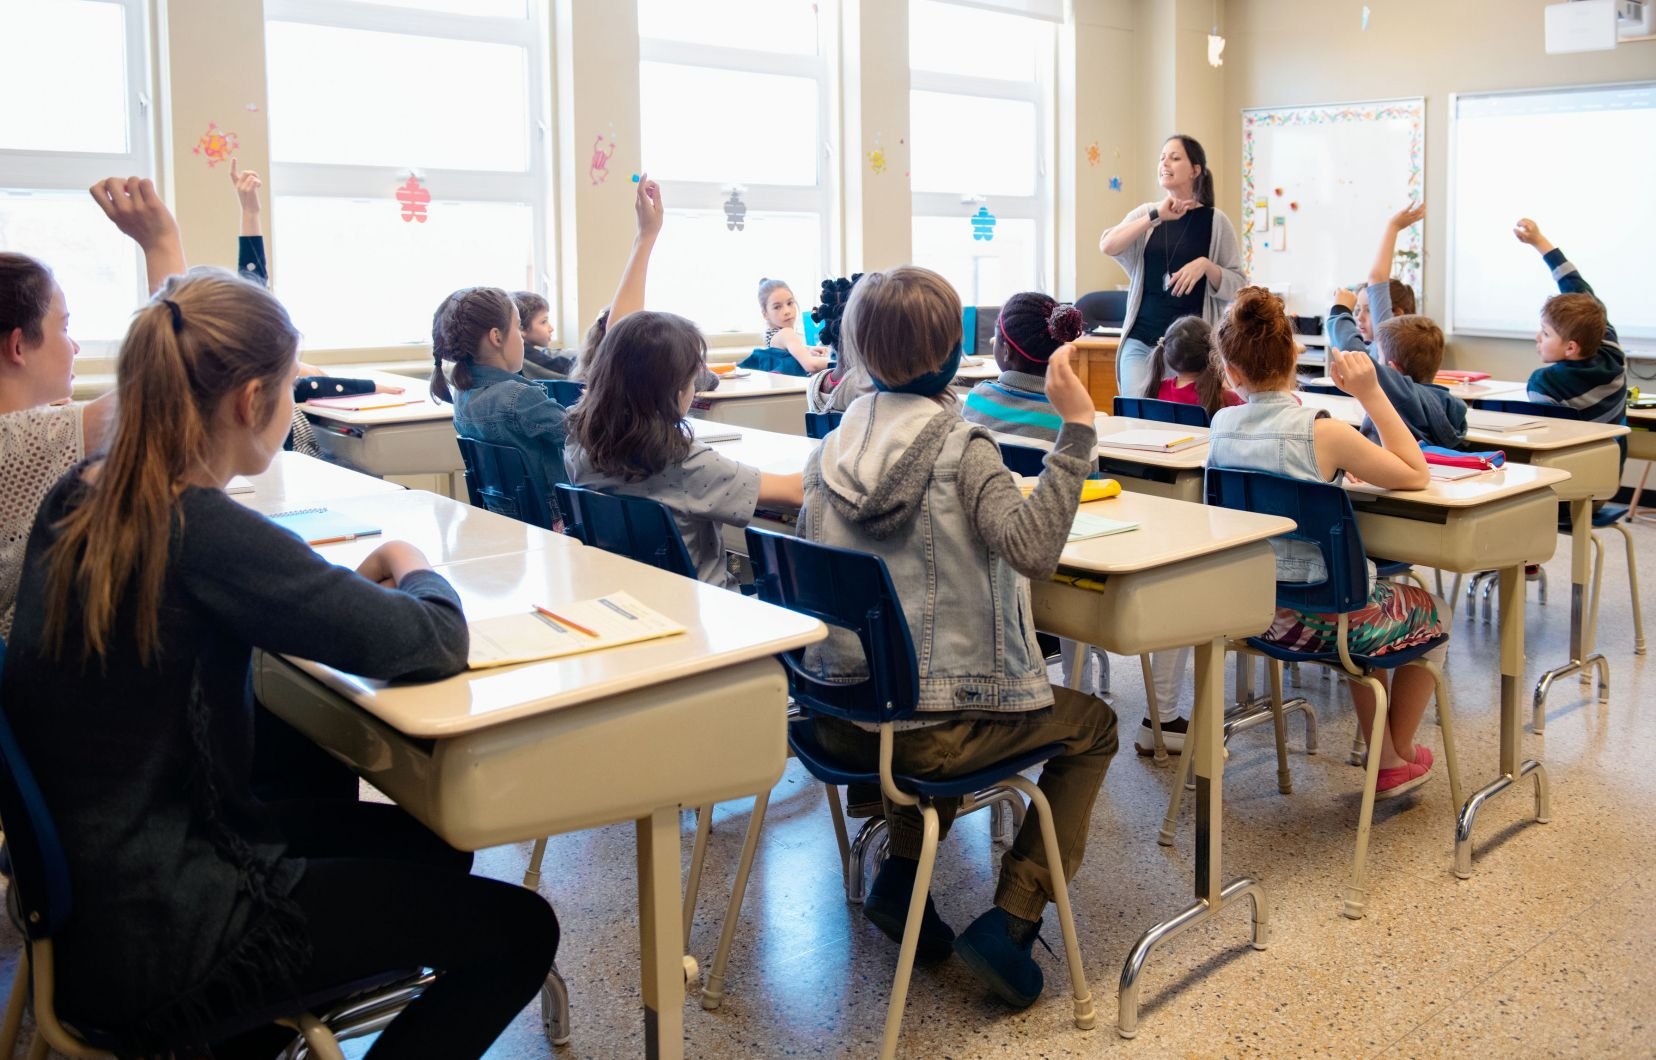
(1283, 52)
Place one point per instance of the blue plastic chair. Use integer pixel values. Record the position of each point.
(821, 424)
(1023, 459)
(1323, 517)
(498, 479)
(636, 527)
(852, 592)
(1143, 408)
(38, 869)
(566, 392)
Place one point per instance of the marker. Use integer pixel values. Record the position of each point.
(562, 620)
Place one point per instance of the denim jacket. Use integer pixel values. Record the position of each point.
(507, 409)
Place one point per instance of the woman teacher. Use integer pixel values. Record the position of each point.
(1181, 255)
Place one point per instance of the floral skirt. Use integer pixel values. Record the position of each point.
(1397, 616)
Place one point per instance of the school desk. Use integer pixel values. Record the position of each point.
(1095, 364)
(294, 480)
(445, 530)
(1177, 474)
(632, 733)
(758, 399)
(1641, 445)
(413, 442)
(978, 368)
(1588, 451)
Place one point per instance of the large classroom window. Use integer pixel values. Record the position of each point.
(734, 97)
(93, 123)
(980, 144)
(409, 144)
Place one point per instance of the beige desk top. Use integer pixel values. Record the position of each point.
(1169, 531)
(769, 451)
(447, 531)
(755, 385)
(725, 629)
(1193, 458)
(424, 407)
(1486, 488)
(297, 481)
(1555, 434)
(970, 374)
(1642, 419)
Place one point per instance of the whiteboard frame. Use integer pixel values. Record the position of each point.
(1449, 232)
(1422, 100)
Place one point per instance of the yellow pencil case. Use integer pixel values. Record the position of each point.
(1092, 489)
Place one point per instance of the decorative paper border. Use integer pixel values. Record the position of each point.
(1410, 248)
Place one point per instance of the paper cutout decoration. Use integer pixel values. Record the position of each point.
(216, 145)
(1094, 156)
(414, 198)
(603, 149)
(1216, 50)
(635, 178)
(1278, 192)
(1293, 206)
(876, 157)
(1115, 183)
(1365, 16)
(735, 211)
(983, 224)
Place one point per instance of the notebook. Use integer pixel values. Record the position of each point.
(239, 484)
(1087, 525)
(1501, 422)
(319, 526)
(565, 629)
(360, 402)
(1445, 473)
(1155, 441)
(707, 432)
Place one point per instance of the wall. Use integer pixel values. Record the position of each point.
(1283, 52)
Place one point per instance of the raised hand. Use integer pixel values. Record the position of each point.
(1353, 372)
(1410, 214)
(647, 205)
(1064, 390)
(1346, 297)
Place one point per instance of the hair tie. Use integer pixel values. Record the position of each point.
(177, 314)
(1000, 324)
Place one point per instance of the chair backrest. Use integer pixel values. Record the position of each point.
(1022, 459)
(498, 478)
(1537, 409)
(565, 392)
(39, 867)
(1322, 515)
(819, 424)
(851, 591)
(1108, 308)
(636, 527)
(1143, 408)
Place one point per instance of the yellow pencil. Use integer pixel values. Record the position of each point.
(561, 620)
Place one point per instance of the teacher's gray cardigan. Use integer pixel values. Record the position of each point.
(1223, 250)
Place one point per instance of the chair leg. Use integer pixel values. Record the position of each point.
(531, 875)
(1633, 586)
(1447, 724)
(1594, 594)
(875, 834)
(1279, 722)
(555, 1008)
(1153, 707)
(1085, 1016)
(1170, 823)
(713, 992)
(911, 931)
(39, 1049)
(840, 835)
(16, 1002)
(698, 855)
(1356, 901)
(1638, 492)
(1437, 580)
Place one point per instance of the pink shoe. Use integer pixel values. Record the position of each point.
(1423, 756)
(1400, 780)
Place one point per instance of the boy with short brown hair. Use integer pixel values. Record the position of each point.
(1583, 366)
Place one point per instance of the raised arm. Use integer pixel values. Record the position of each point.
(1564, 272)
(629, 295)
(1122, 237)
(135, 207)
(1397, 462)
(1381, 270)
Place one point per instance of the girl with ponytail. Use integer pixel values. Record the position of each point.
(128, 684)
(1028, 332)
(1184, 369)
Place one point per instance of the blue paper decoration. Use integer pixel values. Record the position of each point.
(983, 224)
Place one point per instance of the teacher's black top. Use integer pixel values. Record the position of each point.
(1172, 246)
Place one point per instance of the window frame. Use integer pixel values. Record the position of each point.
(60, 171)
(1038, 206)
(819, 199)
(533, 187)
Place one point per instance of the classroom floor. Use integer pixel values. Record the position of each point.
(1545, 951)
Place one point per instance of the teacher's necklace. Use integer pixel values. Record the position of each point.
(1169, 255)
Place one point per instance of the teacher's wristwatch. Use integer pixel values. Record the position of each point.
(1155, 216)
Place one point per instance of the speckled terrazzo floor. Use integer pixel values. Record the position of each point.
(1545, 951)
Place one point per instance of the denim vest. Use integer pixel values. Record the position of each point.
(1275, 433)
(507, 409)
(968, 611)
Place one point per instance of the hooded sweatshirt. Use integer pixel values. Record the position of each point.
(905, 478)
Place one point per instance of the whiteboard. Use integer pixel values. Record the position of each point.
(1578, 161)
(1318, 185)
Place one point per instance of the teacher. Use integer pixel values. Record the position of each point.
(1181, 255)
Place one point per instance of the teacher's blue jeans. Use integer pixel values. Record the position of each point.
(1132, 368)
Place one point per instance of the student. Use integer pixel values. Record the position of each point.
(910, 481)
(629, 293)
(476, 332)
(1408, 351)
(1583, 366)
(41, 434)
(1031, 327)
(1274, 433)
(539, 362)
(784, 351)
(1184, 370)
(844, 380)
(1353, 317)
(628, 435)
(127, 684)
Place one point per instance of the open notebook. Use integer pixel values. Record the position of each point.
(1087, 525)
(361, 402)
(565, 629)
(319, 526)
(1501, 422)
(1153, 440)
(707, 431)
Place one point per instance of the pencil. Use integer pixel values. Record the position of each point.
(554, 616)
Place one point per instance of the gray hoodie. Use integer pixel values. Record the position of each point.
(905, 478)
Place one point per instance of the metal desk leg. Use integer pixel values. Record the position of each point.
(1511, 603)
(1211, 896)
(660, 938)
(1582, 655)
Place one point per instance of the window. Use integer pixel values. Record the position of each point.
(980, 147)
(93, 123)
(734, 101)
(417, 166)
